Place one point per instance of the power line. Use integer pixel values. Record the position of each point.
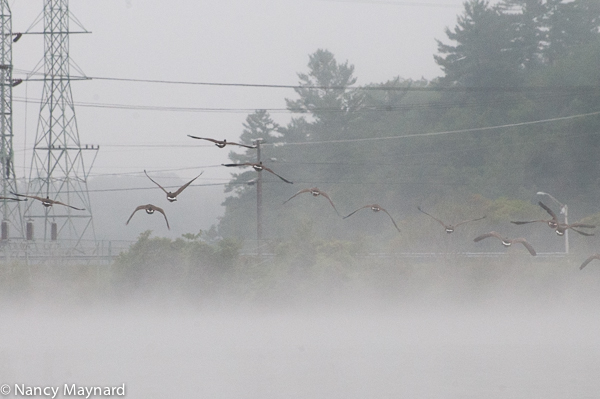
(477, 129)
(154, 188)
(397, 3)
(372, 87)
(311, 182)
(152, 171)
(362, 88)
(363, 108)
(156, 146)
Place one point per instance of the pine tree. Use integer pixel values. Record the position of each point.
(484, 53)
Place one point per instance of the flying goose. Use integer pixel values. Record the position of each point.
(558, 227)
(315, 192)
(47, 202)
(259, 167)
(221, 143)
(507, 242)
(562, 227)
(588, 260)
(149, 208)
(374, 208)
(449, 227)
(172, 197)
(552, 223)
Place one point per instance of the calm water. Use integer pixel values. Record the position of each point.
(523, 349)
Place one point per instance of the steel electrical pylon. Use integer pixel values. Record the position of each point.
(12, 222)
(57, 166)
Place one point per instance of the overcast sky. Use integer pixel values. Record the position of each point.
(257, 42)
(222, 41)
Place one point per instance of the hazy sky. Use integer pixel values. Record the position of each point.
(224, 41)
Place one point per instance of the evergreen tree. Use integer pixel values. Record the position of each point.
(484, 55)
(324, 92)
(240, 208)
(570, 25)
(516, 44)
(527, 22)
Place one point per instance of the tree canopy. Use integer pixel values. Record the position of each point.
(488, 127)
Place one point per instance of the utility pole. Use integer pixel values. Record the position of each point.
(11, 210)
(57, 166)
(259, 232)
(565, 210)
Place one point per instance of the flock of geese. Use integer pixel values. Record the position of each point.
(553, 222)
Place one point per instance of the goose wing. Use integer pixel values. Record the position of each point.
(588, 260)
(238, 164)
(529, 221)
(62, 203)
(330, 201)
(137, 209)
(47, 200)
(206, 138)
(583, 233)
(163, 213)
(243, 145)
(29, 196)
(161, 187)
(540, 203)
(176, 193)
(269, 170)
(487, 235)
(583, 225)
(362, 207)
(392, 219)
(526, 244)
(306, 190)
(467, 221)
(433, 217)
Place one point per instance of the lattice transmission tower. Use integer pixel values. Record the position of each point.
(57, 167)
(12, 222)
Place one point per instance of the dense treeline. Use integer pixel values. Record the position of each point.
(303, 270)
(195, 270)
(507, 64)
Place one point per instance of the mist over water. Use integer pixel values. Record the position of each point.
(521, 332)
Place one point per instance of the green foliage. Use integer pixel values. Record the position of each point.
(188, 263)
(484, 54)
(323, 92)
(505, 209)
(593, 219)
(521, 61)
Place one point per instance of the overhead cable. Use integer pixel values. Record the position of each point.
(476, 129)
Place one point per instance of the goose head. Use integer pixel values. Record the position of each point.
(258, 167)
